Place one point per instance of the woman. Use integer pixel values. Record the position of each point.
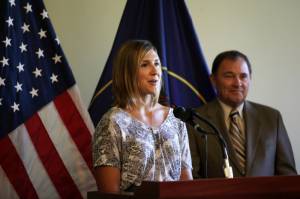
(139, 139)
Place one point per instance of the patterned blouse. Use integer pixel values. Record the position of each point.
(141, 152)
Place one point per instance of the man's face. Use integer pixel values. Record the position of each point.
(232, 81)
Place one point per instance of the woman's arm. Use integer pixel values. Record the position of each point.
(108, 179)
(186, 174)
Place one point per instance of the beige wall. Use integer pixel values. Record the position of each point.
(268, 31)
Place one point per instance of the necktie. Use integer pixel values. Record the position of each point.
(237, 138)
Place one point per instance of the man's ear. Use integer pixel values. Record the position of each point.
(212, 80)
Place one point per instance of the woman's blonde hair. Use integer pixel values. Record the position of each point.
(125, 69)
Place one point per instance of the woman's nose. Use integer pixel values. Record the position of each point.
(155, 69)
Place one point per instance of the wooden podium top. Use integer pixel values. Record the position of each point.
(285, 187)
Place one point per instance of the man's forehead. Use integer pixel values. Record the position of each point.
(234, 65)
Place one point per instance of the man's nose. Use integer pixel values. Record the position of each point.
(237, 81)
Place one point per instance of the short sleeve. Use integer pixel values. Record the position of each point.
(106, 143)
(186, 161)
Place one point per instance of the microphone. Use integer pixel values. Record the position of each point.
(188, 115)
(183, 114)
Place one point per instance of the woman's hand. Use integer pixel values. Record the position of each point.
(108, 179)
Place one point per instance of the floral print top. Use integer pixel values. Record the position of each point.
(142, 153)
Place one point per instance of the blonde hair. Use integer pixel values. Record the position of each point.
(125, 69)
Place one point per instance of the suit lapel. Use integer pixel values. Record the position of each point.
(252, 132)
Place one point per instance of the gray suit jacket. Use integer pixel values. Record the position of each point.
(268, 148)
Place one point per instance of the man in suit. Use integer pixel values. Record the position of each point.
(257, 141)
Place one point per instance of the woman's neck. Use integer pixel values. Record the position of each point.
(149, 114)
(143, 103)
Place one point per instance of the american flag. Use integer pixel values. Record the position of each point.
(45, 131)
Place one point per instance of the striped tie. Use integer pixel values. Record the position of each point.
(237, 138)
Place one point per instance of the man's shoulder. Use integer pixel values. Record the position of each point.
(259, 107)
(214, 105)
(208, 107)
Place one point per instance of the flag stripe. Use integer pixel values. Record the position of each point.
(6, 190)
(14, 169)
(67, 149)
(51, 159)
(32, 163)
(74, 94)
(75, 125)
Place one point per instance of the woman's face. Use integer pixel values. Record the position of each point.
(149, 74)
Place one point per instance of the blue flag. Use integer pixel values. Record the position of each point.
(168, 25)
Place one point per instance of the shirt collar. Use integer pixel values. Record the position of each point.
(227, 109)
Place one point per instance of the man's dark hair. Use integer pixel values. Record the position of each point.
(231, 55)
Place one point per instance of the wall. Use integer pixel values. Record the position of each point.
(266, 30)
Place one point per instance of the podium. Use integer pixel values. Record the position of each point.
(277, 187)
